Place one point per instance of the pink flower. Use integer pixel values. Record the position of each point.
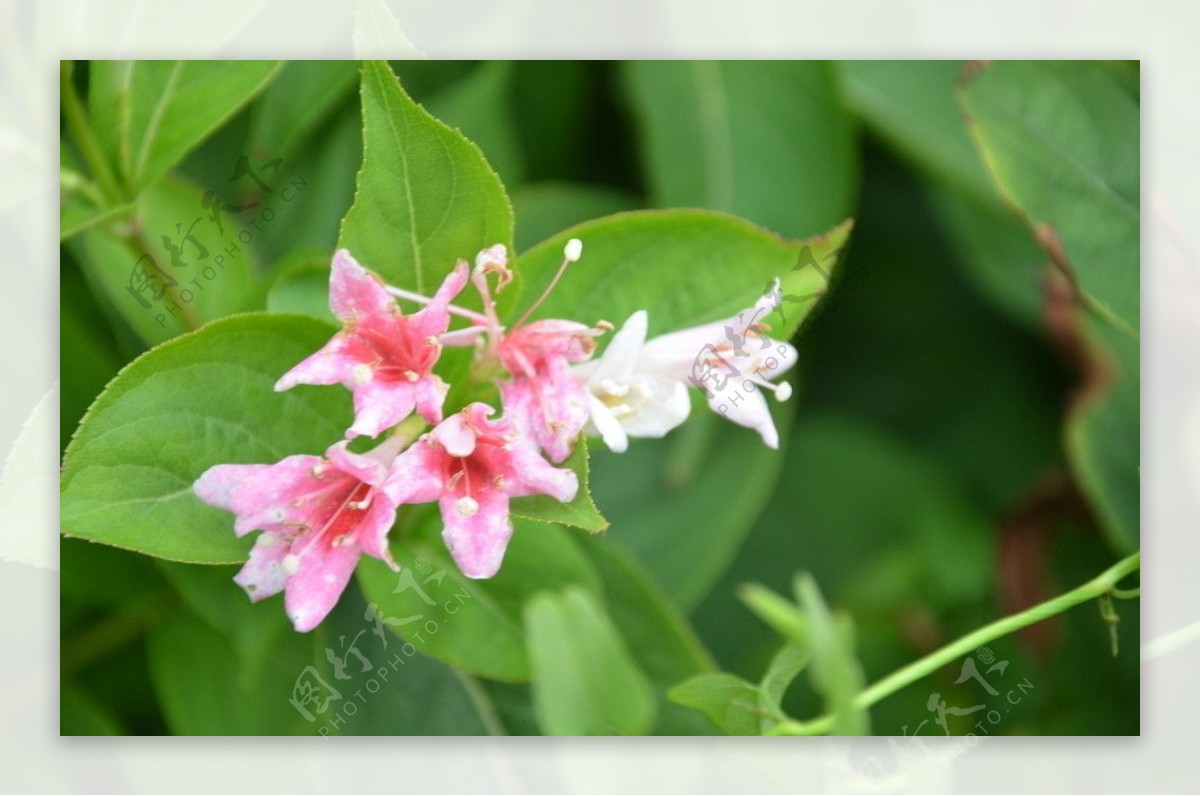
(547, 402)
(317, 516)
(384, 356)
(472, 466)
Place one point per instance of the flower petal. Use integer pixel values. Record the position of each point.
(620, 357)
(333, 364)
(434, 317)
(362, 466)
(322, 570)
(746, 408)
(527, 473)
(267, 499)
(215, 485)
(607, 425)
(430, 393)
(374, 526)
(416, 475)
(665, 408)
(477, 542)
(263, 575)
(355, 292)
(379, 405)
(455, 435)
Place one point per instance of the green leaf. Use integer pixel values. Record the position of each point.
(82, 714)
(201, 399)
(584, 680)
(211, 279)
(767, 140)
(478, 106)
(1103, 430)
(684, 504)
(1061, 141)
(785, 666)
(149, 114)
(477, 622)
(655, 631)
(732, 703)
(836, 672)
(912, 105)
(426, 197)
(633, 261)
(299, 103)
(542, 209)
(579, 513)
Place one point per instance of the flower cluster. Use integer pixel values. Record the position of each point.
(318, 514)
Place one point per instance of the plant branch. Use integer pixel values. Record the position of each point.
(1101, 585)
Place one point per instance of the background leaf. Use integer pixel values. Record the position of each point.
(149, 114)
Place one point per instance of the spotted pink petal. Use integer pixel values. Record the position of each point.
(530, 474)
(322, 571)
(434, 317)
(355, 292)
(263, 576)
(478, 538)
(416, 476)
(550, 409)
(215, 486)
(334, 363)
(379, 405)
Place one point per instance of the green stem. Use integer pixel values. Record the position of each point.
(81, 131)
(1100, 585)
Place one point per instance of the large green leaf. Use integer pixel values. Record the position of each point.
(479, 106)
(474, 625)
(635, 260)
(1061, 140)
(173, 268)
(767, 140)
(202, 399)
(585, 681)
(149, 114)
(426, 197)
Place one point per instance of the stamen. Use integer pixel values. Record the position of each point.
(571, 253)
(467, 506)
(782, 390)
(419, 299)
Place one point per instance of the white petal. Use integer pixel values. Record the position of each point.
(618, 361)
(746, 408)
(666, 408)
(606, 424)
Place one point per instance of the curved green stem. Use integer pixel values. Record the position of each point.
(1102, 584)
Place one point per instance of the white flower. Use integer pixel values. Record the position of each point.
(639, 388)
(628, 400)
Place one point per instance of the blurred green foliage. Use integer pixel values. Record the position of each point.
(953, 452)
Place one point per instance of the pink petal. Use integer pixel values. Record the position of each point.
(374, 526)
(416, 474)
(527, 473)
(215, 485)
(332, 364)
(355, 292)
(266, 500)
(455, 435)
(430, 394)
(551, 409)
(263, 575)
(434, 317)
(364, 467)
(477, 542)
(379, 405)
(322, 571)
